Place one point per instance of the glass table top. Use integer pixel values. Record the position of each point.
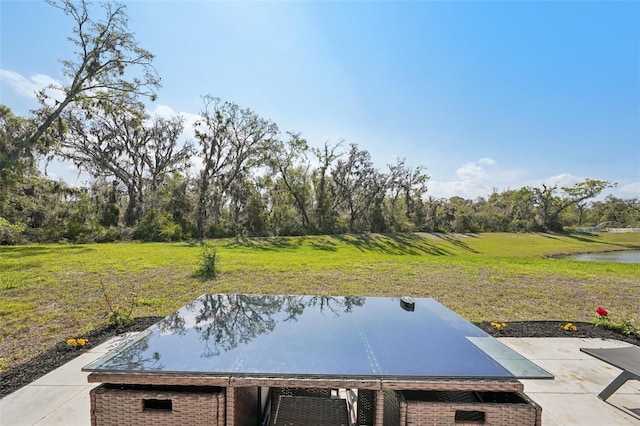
(317, 336)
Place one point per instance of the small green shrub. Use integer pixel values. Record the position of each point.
(208, 267)
(625, 326)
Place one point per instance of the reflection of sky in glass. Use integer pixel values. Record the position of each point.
(324, 336)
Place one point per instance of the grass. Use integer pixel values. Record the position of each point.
(49, 293)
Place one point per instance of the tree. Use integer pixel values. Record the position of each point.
(106, 201)
(49, 210)
(458, 215)
(105, 50)
(256, 222)
(616, 211)
(324, 211)
(285, 218)
(433, 219)
(287, 160)
(176, 196)
(408, 185)
(232, 141)
(16, 155)
(112, 139)
(508, 211)
(550, 205)
(357, 185)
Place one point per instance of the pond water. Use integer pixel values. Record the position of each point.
(629, 256)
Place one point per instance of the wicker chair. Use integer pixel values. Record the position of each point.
(366, 407)
(457, 407)
(303, 406)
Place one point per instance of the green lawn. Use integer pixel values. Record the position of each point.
(49, 293)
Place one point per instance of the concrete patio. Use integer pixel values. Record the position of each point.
(572, 397)
(61, 398)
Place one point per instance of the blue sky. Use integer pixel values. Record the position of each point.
(484, 95)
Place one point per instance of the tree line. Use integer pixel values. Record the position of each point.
(252, 179)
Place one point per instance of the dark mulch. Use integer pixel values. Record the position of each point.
(555, 329)
(23, 374)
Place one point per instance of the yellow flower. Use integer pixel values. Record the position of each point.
(72, 342)
(82, 342)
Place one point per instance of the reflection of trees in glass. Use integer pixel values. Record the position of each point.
(174, 323)
(133, 358)
(337, 305)
(224, 321)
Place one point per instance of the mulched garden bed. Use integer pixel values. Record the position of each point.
(23, 374)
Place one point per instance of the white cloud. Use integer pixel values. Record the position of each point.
(481, 178)
(162, 111)
(28, 87)
(632, 189)
(475, 179)
(472, 172)
(486, 161)
(561, 180)
(461, 188)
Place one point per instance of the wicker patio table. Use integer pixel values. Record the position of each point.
(219, 356)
